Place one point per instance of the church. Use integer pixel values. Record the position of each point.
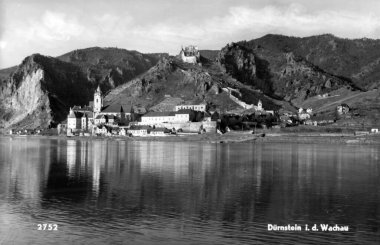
(84, 118)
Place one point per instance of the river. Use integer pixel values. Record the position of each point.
(117, 192)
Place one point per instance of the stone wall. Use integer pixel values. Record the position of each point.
(210, 127)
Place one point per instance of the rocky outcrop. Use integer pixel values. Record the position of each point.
(239, 62)
(40, 91)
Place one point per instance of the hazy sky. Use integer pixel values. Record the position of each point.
(54, 27)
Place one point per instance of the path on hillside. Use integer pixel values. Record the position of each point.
(343, 100)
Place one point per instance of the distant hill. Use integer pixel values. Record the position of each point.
(354, 59)
(110, 67)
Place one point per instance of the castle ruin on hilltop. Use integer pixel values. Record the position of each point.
(190, 54)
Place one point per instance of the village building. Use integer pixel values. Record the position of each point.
(101, 130)
(152, 118)
(342, 109)
(87, 120)
(105, 119)
(123, 131)
(200, 107)
(139, 130)
(304, 114)
(79, 120)
(159, 132)
(73, 120)
(190, 54)
(322, 120)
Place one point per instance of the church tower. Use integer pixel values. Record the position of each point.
(98, 100)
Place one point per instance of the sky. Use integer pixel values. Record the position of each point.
(55, 27)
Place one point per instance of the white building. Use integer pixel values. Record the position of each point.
(159, 132)
(73, 121)
(139, 130)
(200, 107)
(152, 118)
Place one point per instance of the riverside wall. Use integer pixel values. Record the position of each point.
(210, 127)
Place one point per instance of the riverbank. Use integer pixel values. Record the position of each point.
(240, 137)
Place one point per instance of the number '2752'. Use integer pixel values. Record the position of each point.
(47, 227)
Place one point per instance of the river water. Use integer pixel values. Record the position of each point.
(116, 192)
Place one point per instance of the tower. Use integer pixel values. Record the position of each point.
(98, 100)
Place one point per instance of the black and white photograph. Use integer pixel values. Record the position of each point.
(182, 122)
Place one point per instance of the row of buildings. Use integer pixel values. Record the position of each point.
(120, 119)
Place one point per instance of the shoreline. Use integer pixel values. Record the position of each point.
(233, 137)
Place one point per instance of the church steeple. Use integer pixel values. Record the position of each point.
(98, 100)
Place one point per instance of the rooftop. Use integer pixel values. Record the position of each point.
(117, 108)
(159, 114)
(184, 111)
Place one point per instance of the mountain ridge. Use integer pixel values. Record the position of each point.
(283, 72)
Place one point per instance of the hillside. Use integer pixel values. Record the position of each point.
(354, 59)
(171, 82)
(280, 75)
(40, 91)
(110, 67)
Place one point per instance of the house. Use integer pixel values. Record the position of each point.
(139, 130)
(322, 119)
(304, 115)
(123, 132)
(80, 118)
(74, 120)
(105, 119)
(62, 127)
(342, 109)
(374, 130)
(87, 120)
(361, 133)
(101, 130)
(100, 119)
(159, 132)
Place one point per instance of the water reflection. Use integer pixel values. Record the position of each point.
(105, 191)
